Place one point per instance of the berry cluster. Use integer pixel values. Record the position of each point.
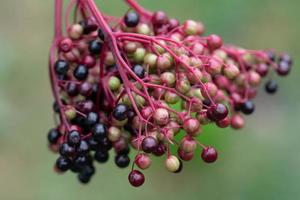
(145, 81)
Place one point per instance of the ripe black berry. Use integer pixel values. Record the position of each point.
(63, 164)
(61, 67)
(91, 119)
(83, 147)
(95, 47)
(66, 150)
(53, 136)
(271, 87)
(101, 156)
(120, 112)
(72, 89)
(131, 19)
(248, 107)
(139, 71)
(99, 131)
(81, 72)
(122, 161)
(74, 138)
(82, 178)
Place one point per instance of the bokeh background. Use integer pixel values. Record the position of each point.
(260, 162)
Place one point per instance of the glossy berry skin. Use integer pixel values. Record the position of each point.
(160, 150)
(83, 148)
(271, 87)
(122, 161)
(209, 155)
(283, 68)
(217, 112)
(99, 131)
(61, 67)
(95, 47)
(136, 178)
(120, 112)
(83, 178)
(81, 72)
(131, 19)
(74, 138)
(53, 136)
(248, 107)
(101, 156)
(72, 89)
(66, 150)
(63, 164)
(149, 144)
(139, 71)
(91, 119)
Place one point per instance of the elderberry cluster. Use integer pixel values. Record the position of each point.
(147, 82)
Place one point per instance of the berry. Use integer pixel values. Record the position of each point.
(149, 144)
(82, 178)
(53, 136)
(72, 89)
(217, 112)
(66, 150)
(136, 178)
(160, 149)
(101, 156)
(74, 138)
(122, 161)
(83, 147)
(95, 47)
(63, 164)
(81, 72)
(61, 67)
(99, 131)
(131, 19)
(209, 155)
(92, 119)
(143, 161)
(139, 71)
(271, 87)
(120, 112)
(283, 68)
(248, 107)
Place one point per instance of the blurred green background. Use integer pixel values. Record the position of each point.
(260, 162)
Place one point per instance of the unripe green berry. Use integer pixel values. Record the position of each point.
(168, 78)
(114, 134)
(114, 83)
(70, 113)
(172, 163)
(150, 60)
(171, 97)
(143, 29)
(139, 54)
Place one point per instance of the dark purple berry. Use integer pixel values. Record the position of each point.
(149, 144)
(139, 71)
(53, 136)
(101, 156)
(81, 72)
(247, 107)
(61, 67)
(74, 138)
(131, 19)
(209, 155)
(66, 150)
(99, 131)
(63, 164)
(95, 47)
(136, 178)
(120, 112)
(271, 87)
(122, 161)
(217, 112)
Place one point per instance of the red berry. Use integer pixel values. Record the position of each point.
(136, 178)
(209, 155)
